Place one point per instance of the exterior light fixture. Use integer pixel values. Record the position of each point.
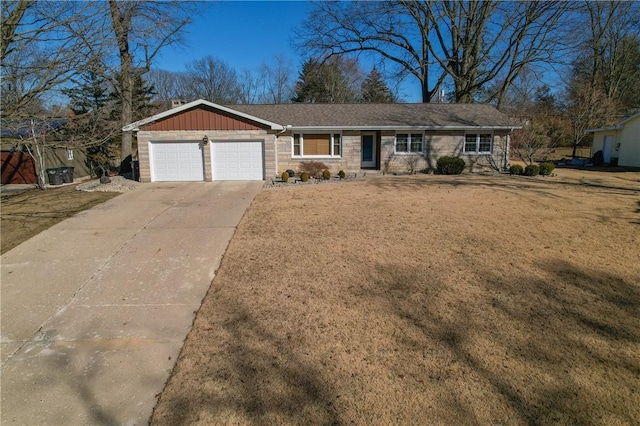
(205, 140)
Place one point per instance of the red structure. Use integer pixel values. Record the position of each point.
(18, 167)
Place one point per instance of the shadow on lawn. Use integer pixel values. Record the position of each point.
(508, 183)
(559, 347)
(256, 374)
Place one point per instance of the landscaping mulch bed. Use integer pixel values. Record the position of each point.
(277, 182)
(423, 299)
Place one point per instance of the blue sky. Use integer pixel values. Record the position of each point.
(246, 34)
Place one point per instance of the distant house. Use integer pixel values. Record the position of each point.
(203, 141)
(620, 144)
(17, 165)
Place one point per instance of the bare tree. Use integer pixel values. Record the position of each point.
(480, 43)
(249, 87)
(588, 107)
(470, 43)
(533, 106)
(530, 143)
(141, 30)
(608, 52)
(212, 79)
(276, 80)
(605, 67)
(412, 160)
(387, 29)
(166, 86)
(40, 54)
(12, 14)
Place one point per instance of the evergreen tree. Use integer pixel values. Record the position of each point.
(90, 95)
(91, 105)
(93, 121)
(309, 87)
(142, 102)
(375, 90)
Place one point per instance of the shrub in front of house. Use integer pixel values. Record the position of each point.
(450, 165)
(326, 174)
(342, 174)
(516, 169)
(532, 170)
(304, 176)
(546, 168)
(313, 168)
(285, 177)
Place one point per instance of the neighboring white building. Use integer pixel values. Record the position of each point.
(620, 143)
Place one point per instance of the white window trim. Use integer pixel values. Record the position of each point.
(408, 152)
(476, 152)
(331, 144)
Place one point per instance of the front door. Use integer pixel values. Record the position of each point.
(368, 150)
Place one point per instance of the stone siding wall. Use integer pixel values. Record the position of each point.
(439, 144)
(278, 150)
(349, 161)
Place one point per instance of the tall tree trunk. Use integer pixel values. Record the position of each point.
(10, 24)
(126, 115)
(426, 93)
(38, 157)
(122, 26)
(424, 71)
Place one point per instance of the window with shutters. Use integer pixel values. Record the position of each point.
(316, 144)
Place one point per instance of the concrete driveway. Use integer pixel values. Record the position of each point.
(95, 309)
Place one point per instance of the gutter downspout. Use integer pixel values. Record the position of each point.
(505, 163)
(287, 127)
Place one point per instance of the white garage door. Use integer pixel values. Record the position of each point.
(176, 161)
(237, 160)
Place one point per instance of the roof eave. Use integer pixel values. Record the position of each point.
(618, 126)
(605, 129)
(370, 128)
(136, 126)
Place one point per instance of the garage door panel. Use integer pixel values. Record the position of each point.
(237, 161)
(174, 162)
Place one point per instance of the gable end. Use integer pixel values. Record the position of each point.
(199, 118)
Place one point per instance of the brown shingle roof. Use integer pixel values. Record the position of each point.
(379, 115)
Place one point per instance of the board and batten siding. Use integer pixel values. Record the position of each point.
(202, 119)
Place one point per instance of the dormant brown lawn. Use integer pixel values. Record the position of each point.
(27, 213)
(423, 300)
